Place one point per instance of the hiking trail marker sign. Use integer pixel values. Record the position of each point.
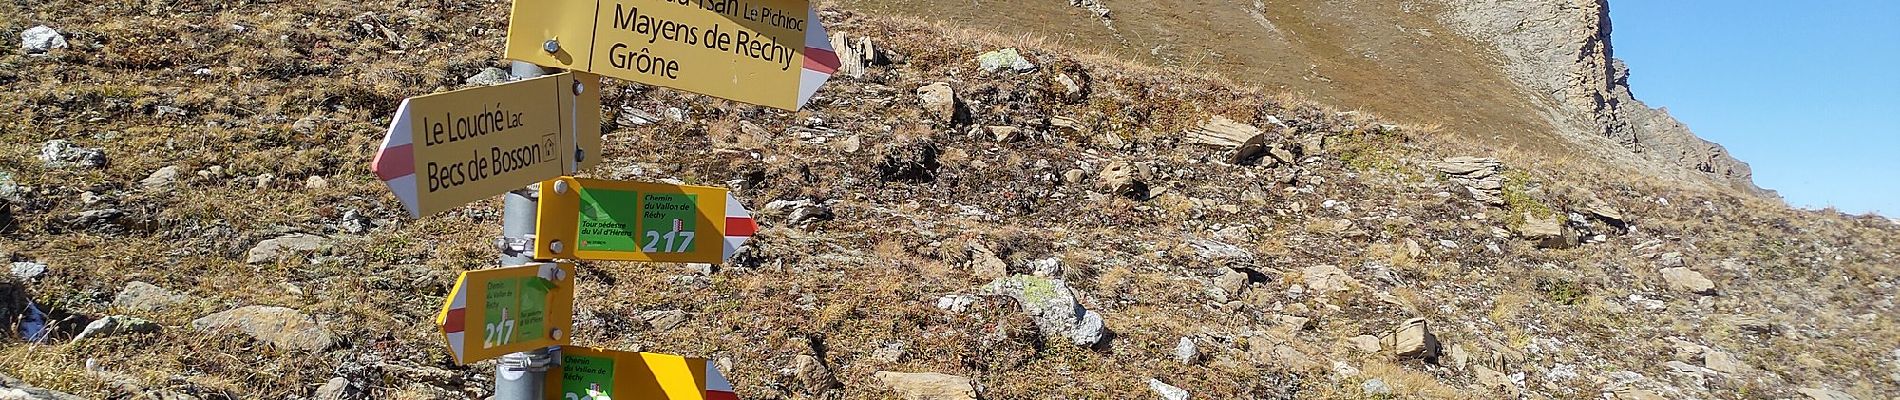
(767, 52)
(492, 312)
(449, 149)
(593, 219)
(582, 373)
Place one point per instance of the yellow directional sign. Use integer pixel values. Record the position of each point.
(493, 312)
(588, 373)
(593, 219)
(449, 149)
(752, 51)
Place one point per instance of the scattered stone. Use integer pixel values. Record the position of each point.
(315, 182)
(1722, 361)
(58, 153)
(1688, 280)
(890, 352)
(956, 303)
(1375, 387)
(1223, 132)
(1006, 58)
(40, 39)
(1072, 90)
(1479, 176)
(488, 77)
(1365, 343)
(338, 388)
(1100, 10)
(940, 100)
(169, 111)
(115, 325)
(1167, 392)
(928, 385)
(1343, 370)
(160, 180)
(1053, 306)
(1232, 284)
(285, 328)
(1006, 134)
(1413, 339)
(914, 162)
(145, 297)
(1074, 176)
(813, 374)
(1608, 213)
(1328, 279)
(985, 264)
(663, 320)
(28, 270)
(1123, 179)
(15, 389)
(274, 250)
(1186, 352)
(1496, 380)
(354, 223)
(1047, 267)
(1548, 231)
(799, 212)
(1825, 394)
(1672, 260)
(1459, 357)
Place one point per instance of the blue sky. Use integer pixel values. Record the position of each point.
(1808, 93)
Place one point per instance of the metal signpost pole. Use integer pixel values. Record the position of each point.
(520, 376)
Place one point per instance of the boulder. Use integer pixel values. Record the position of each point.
(40, 39)
(1053, 306)
(1493, 379)
(1167, 392)
(115, 325)
(928, 385)
(1480, 176)
(1412, 339)
(285, 328)
(1328, 279)
(1688, 280)
(1122, 178)
(1824, 394)
(1722, 361)
(1187, 352)
(1004, 59)
(985, 264)
(276, 249)
(1548, 231)
(813, 374)
(1222, 132)
(160, 180)
(1364, 343)
(144, 297)
(1232, 284)
(59, 153)
(940, 100)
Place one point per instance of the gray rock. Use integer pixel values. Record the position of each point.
(114, 326)
(28, 270)
(1167, 392)
(889, 352)
(813, 374)
(1688, 280)
(1047, 267)
(1122, 178)
(488, 77)
(58, 153)
(1187, 352)
(985, 264)
(1824, 394)
(285, 328)
(145, 297)
(664, 319)
(1004, 59)
(799, 212)
(1328, 279)
(338, 388)
(1072, 90)
(1053, 306)
(315, 182)
(1096, 7)
(1364, 343)
(354, 223)
(1722, 361)
(1222, 132)
(160, 180)
(1480, 176)
(12, 388)
(928, 385)
(1548, 231)
(9, 189)
(956, 303)
(1232, 284)
(1375, 387)
(40, 39)
(274, 250)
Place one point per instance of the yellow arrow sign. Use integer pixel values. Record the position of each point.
(752, 51)
(587, 374)
(493, 312)
(593, 219)
(449, 149)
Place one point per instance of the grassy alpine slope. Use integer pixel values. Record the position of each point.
(287, 102)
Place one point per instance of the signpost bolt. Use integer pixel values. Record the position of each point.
(551, 46)
(560, 187)
(555, 246)
(556, 333)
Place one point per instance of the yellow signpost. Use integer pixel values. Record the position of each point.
(593, 219)
(499, 311)
(587, 373)
(448, 149)
(751, 51)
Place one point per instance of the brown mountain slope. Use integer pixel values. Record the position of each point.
(1537, 76)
